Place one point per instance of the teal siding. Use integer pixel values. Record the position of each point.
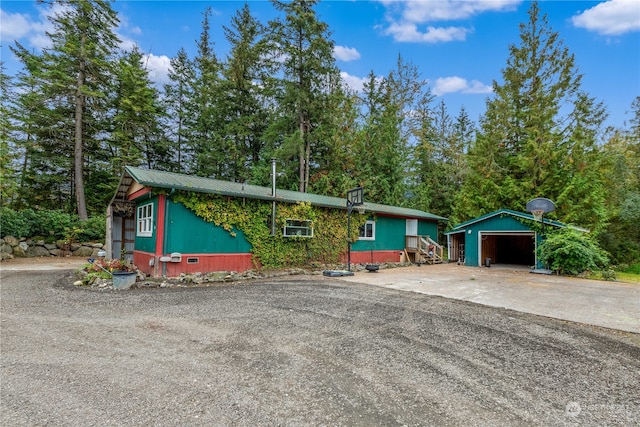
(391, 232)
(147, 244)
(498, 223)
(185, 232)
(428, 228)
(188, 233)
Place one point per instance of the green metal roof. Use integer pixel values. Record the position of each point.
(462, 226)
(170, 180)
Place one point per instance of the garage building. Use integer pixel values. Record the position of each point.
(500, 237)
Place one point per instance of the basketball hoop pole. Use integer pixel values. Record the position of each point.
(354, 198)
(349, 209)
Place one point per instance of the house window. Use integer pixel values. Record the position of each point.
(368, 231)
(298, 228)
(145, 220)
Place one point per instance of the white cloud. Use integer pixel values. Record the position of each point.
(408, 32)
(14, 25)
(354, 82)
(344, 53)
(612, 18)
(26, 29)
(454, 84)
(405, 18)
(158, 68)
(428, 11)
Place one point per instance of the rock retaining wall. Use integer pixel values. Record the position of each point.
(11, 247)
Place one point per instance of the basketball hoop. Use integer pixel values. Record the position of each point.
(537, 214)
(540, 206)
(355, 198)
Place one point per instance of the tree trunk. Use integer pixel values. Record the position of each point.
(301, 155)
(78, 157)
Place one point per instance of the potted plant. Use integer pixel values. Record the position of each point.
(123, 273)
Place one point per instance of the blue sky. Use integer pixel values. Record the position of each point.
(459, 46)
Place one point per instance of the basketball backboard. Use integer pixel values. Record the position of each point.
(355, 196)
(540, 204)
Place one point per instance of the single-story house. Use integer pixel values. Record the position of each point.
(500, 237)
(149, 225)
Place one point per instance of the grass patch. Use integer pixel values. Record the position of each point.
(628, 277)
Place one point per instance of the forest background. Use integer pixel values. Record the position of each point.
(78, 112)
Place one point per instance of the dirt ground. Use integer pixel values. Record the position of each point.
(298, 350)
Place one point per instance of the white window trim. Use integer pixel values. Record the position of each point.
(144, 223)
(373, 231)
(293, 225)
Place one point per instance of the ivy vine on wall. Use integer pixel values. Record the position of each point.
(253, 218)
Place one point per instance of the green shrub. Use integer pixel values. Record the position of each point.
(571, 252)
(631, 269)
(609, 274)
(53, 225)
(92, 229)
(50, 225)
(14, 223)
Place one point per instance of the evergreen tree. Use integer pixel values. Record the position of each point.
(8, 150)
(205, 140)
(243, 95)
(396, 110)
(177, 97)
(620, 168)
(527, 147)
(440, 159)
(41, 124)
(136, 138)
(308, 73)
(76, 75)
(382, 155)
(338, 156)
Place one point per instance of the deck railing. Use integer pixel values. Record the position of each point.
(424, 249)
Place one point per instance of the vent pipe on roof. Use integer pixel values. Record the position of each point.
(273, 194)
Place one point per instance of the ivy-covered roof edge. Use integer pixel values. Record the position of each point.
(176, 181)
(462, 226)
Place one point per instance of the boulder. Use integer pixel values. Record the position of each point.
(10, 240)
(24, 246)
(95, 251)
(50, 246)
(37, 251)
(19, 251)
(6, 248)
(83, 251)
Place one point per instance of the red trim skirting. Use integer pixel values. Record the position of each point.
(239, 262)
(200, 263)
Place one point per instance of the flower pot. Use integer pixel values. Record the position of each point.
(123, 279)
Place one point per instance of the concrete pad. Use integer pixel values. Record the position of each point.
(614, 305)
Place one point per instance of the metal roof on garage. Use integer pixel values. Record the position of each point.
(462, 226)
(170, 180)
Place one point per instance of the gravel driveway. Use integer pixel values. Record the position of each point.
(299, 351)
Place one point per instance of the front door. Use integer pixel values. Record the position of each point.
(412, 227)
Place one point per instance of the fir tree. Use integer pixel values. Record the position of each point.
(527, 145)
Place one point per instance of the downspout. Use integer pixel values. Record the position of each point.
(166, 230)
(273, 194)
